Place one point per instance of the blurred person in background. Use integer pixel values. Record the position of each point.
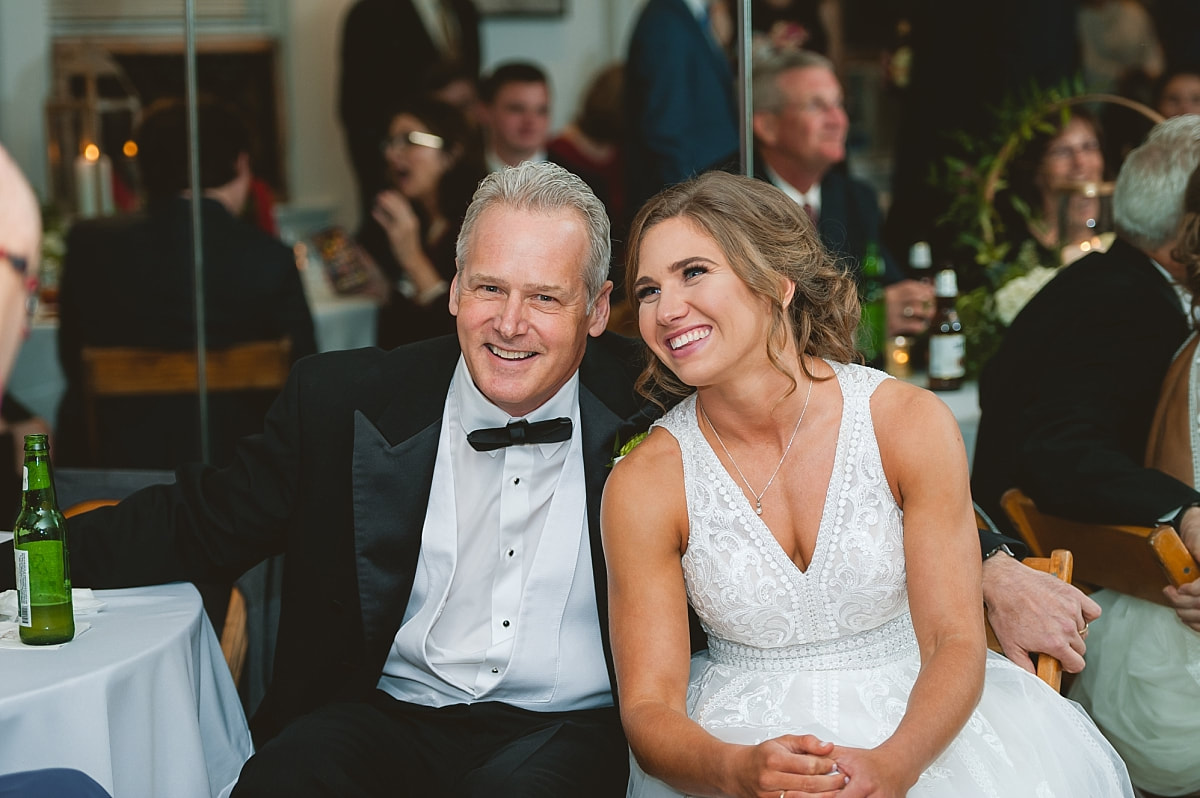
(590, 146)
(1179, 92)
(800, 128)
(129, 281)
(388, 46)
(515, 108)
(433, 165)
(1046, 178)
(680, 107)
(1142, 682)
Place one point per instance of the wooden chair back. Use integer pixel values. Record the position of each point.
(1135, 560)
(234, 638)
(1059, 564)
(133, 371)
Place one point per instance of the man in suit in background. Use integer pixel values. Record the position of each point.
(681, 112)
(129, 281)
(515, 108)
(800, 128)
(444, 618)
(1068, 400)
(389, 47)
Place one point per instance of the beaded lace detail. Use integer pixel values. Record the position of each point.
(850, 607)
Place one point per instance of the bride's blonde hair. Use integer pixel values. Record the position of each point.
(768, 240)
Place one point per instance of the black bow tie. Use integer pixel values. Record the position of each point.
(517, 433)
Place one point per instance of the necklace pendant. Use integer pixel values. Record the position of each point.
(758, 507)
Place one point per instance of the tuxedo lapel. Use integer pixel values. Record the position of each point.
(392, 471)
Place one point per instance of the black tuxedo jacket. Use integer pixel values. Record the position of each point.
(1068, 399)
(339, 482)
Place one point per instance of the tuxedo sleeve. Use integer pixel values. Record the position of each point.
(211, 525)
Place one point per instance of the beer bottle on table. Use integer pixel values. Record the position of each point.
(947, 344)
(872, 328)
(44, 613)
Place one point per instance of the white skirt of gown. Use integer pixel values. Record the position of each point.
(1142, 687)
(1023, 739)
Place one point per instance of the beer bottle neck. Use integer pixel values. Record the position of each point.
(37, 473)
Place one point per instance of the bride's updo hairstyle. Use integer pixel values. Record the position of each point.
(768, 239)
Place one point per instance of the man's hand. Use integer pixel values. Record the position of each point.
(1186, 599)
(910, 306)
(1031, 611)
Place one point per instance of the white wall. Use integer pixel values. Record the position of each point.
(24, 85)
(572, 47)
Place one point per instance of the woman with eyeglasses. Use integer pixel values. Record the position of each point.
(1050, 179)
(433, 165)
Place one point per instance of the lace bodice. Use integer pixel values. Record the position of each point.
(850, 607)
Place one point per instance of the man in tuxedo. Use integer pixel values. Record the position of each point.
(1068, 400)
(443, 627)
(800, 128)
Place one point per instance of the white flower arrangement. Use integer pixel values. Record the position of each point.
(1011, 297)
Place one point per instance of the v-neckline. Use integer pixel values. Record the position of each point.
(757, 525)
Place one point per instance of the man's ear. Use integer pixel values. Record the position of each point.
(598, 322)
(766, 128)
(454, 294)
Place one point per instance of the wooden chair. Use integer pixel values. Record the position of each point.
(234, 640)
(1058, 564)
(131, 371)
(1135, 560)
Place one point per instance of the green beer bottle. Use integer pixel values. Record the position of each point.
(44, 611)
(872, 328)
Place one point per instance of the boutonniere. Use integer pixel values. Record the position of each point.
(633, 431)
(622, 449)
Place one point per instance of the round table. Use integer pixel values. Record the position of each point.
(142, 702)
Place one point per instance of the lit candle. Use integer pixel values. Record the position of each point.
(87, 180)
(104, 185)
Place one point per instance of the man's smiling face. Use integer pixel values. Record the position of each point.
(521, 305)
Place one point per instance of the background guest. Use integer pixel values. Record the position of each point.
(515, 108)
(591, 145)
(1042, 177)
(800, 128)
(1179, 92)
(129, 281)
(1067, 401)
(433, 166)
(1142, 682)
(387, 47)
(681, 115)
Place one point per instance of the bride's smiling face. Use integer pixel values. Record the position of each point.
(694, 312)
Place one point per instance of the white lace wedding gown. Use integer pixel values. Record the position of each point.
(830, 651)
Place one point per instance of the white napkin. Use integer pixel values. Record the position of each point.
(83, 602)
(10, 637)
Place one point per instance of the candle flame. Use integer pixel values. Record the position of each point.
(91, 152)
(130, 148)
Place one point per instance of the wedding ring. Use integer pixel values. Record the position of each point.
(1083, 631)
(908, 311)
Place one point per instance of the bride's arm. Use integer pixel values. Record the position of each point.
(644, 523)
(925, 463)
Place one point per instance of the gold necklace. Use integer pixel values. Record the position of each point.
(758, 495)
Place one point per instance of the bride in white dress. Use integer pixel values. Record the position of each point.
(817, 516)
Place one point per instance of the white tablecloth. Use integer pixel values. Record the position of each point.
(142, 702)
(340, 322)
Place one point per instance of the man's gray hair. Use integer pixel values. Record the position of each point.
(1148, 198)
(544, 188)
(767, 69)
